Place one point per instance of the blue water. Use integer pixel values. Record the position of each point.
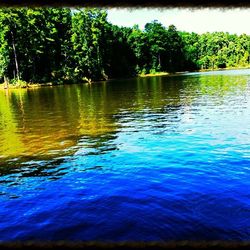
(176, 167)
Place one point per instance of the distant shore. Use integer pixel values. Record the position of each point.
(3, 86)
(221, 69)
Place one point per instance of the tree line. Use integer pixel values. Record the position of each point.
(62, 45)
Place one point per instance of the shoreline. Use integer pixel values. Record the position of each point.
(50, 84)
(28, 86)
(222, 69)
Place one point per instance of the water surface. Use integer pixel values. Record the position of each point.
(160, 158)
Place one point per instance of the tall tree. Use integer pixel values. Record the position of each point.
(88, 26)
(157, 41)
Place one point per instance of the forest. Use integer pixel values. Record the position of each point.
(61, 45)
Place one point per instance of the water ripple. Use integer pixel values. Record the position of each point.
(147, 159)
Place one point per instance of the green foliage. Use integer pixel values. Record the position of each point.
(37, 39)
(19, 83)
(144, 71)
(88, 29)
(57, 45)
(219, 50)
(152, 71)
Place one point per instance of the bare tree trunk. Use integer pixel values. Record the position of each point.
(159, 60)
(15, 55)
(6, 82)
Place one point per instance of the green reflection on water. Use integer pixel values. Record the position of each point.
(49, 120)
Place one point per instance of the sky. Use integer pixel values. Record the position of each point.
(234, 20)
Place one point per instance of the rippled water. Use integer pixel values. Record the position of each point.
(161, 158)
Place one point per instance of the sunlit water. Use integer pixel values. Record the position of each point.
(161, 158)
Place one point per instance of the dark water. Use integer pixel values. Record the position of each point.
(161, 158)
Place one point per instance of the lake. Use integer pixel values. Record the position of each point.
(145, 159)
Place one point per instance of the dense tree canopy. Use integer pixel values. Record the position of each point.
(57, 45)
